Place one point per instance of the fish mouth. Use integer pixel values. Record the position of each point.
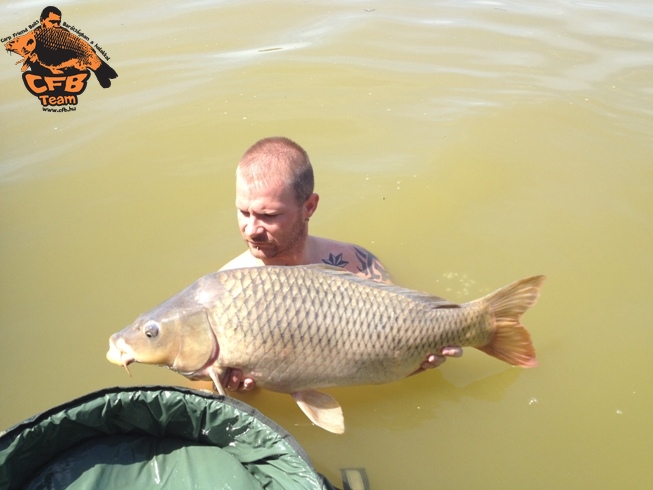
(119, 356)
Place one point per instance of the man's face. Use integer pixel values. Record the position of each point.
(271, 221)
(52, 20)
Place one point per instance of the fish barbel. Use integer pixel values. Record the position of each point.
(296, 329)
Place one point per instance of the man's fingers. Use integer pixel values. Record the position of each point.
(232, 378)
(452, 351)
(233, 381)
(432, 361)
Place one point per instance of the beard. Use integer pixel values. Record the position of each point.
(289, 243)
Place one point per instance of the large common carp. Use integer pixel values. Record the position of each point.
(295, 329)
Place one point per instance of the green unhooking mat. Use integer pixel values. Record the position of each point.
(154, 437)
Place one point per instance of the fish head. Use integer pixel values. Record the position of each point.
(22, 45)
(176, 334)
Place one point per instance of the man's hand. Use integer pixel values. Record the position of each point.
(435, 360)
(233, 381)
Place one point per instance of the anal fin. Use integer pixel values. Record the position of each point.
(322, 409)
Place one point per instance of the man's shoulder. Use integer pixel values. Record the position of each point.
(245, 259)
(348, 256)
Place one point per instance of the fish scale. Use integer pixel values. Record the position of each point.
(397, 327)
(59, 39)
(296, 329)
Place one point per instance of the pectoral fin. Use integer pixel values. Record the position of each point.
(216, 382)
(323, 410)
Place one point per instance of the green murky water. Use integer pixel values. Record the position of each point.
(468, 144)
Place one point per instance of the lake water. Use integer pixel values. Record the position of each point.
(468, 144)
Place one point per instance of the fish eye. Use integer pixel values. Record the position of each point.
(151, 330)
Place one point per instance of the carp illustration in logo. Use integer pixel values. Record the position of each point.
(58, 61)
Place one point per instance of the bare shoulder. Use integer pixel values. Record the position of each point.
(243, 260)
(349, 256)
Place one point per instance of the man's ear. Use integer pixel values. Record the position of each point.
(311, 204)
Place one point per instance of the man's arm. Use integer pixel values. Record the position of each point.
(245, 259)
(370, 266)
(350, 257)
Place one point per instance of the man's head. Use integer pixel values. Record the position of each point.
(50, 17)
(275, 198)
(278, 159)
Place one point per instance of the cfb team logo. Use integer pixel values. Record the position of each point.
(57, 62)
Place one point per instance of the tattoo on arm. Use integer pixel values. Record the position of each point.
(335, 260)
(370, 266)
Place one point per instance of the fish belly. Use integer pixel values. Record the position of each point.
(297, 328)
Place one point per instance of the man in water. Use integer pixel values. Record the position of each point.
(274, 203)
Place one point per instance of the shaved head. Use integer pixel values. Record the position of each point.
(278, 160)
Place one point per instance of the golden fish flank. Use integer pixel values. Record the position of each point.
(296, 329)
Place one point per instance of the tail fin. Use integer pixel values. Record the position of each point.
(511, 342)
(104, 74)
